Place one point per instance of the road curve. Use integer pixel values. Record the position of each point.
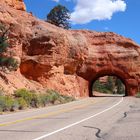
(107, 118)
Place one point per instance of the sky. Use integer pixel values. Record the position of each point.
(119, 16)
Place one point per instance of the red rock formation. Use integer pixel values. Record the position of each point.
(17, 4)
(70, 61)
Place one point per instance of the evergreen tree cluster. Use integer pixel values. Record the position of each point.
(113, 85)
(59, 16)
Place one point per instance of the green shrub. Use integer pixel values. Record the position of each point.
(3, 60)
(10, 104)
(138, 95)
(65, 99)
(43, 99)
(7, 104)
(24, 98)
(9, 62)
(53, 96)
(35, 100)
(21, 103)
(25, 94)
(103, 88)
(2, 103)
(31, 98)
(15, 105)
(12, 63)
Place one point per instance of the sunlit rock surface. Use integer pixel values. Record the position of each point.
(67, 61)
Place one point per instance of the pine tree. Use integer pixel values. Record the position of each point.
(59, 16)
(3, 38)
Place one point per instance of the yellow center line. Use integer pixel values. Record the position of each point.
(50, 114)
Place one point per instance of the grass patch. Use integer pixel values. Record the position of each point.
(7, 104)
(24, 98)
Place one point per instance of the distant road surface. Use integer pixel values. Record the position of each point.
(100, 118)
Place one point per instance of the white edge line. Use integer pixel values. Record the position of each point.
(73, 124)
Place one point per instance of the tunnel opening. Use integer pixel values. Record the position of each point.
(118, 75)
(108, 85)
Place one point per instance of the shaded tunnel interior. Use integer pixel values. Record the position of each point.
(108, 85)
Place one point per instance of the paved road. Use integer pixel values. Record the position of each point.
(101, 118)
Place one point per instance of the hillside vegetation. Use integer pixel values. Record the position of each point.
(111, 85)
(24, 98)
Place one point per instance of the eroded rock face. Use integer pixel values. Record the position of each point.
(70, 61)
(17, 4)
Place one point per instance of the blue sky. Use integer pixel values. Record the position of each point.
(120, 16)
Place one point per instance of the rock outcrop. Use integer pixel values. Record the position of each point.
(69, 61)
(17, 4)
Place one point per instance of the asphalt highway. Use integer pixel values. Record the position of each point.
(99, 118)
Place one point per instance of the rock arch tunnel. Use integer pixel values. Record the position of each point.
(122, 72)
(75, 67)
(69, 61)
(131, 84)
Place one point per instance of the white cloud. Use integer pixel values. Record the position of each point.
(86, 11)
(59, 0)
(56, 0)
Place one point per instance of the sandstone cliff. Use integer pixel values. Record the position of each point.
(17, 4)
(67, 61)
